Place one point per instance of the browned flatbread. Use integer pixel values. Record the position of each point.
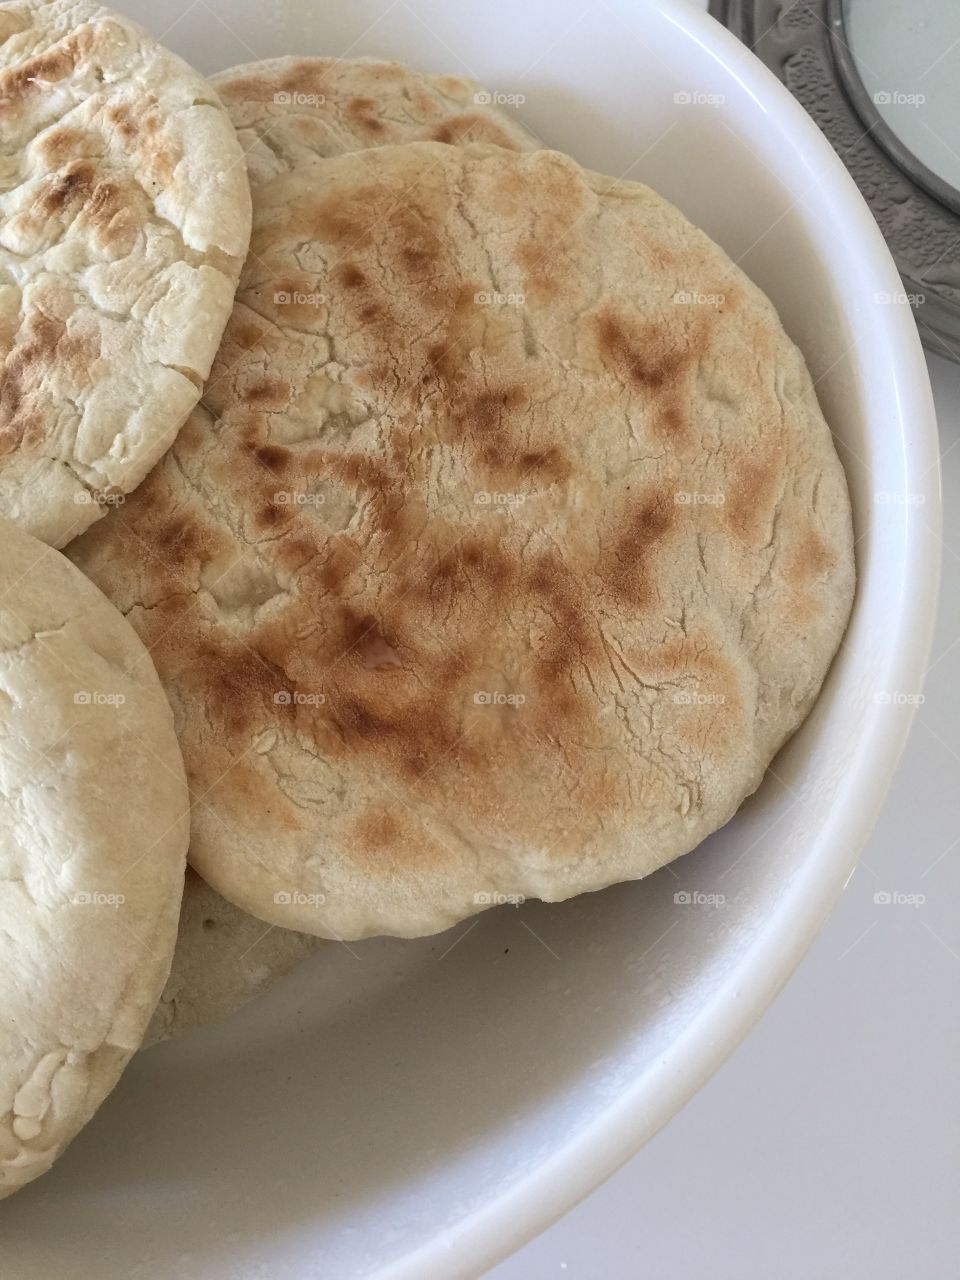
(124, 223)
(509, 544)
(224, 956)
(288, 111)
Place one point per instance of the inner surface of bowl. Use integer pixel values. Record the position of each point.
(417, 1108)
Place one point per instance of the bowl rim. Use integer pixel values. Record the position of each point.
(495, 1231)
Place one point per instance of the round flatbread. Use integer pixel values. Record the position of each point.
(508, 548)
(124, 222)
(93, 844)
(224, 957)
(288, 111)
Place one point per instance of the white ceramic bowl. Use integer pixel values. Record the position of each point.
(420, 1109)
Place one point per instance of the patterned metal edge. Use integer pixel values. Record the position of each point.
(803, 42)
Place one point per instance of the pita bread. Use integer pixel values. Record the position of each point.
(92, 850)
(224, 957)
(507, 548)
(288, 111)
(124, 222)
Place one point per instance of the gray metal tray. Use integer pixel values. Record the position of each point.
(805, 45)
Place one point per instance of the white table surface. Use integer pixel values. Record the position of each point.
(828, 1146)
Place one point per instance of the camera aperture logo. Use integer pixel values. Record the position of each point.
(897, 698)
(293, 498)
(99, 498)
(694, 898)
(694, 498)
(297, 898)
(894, 898)
(295, 298)
(490, 298)
(495, 99)
(499, 501)
(884, 498)
(298, 698)
(696, 698)
(97, 698)
(496, 699)
(693, 298)
(284, 99)
(897, 98)
(899, 298)
(694, 98)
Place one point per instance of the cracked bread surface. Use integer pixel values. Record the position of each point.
(289, 111)
(507, 547)
(124, 222)
(92, 850)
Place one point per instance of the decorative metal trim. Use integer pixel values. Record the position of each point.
(866, 109)
(804, 43)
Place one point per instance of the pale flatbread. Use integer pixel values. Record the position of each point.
(93, 840)
(124, 222)
(508, 547)
(291, 110)
(224, 957)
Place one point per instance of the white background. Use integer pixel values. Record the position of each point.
(828, 1146)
